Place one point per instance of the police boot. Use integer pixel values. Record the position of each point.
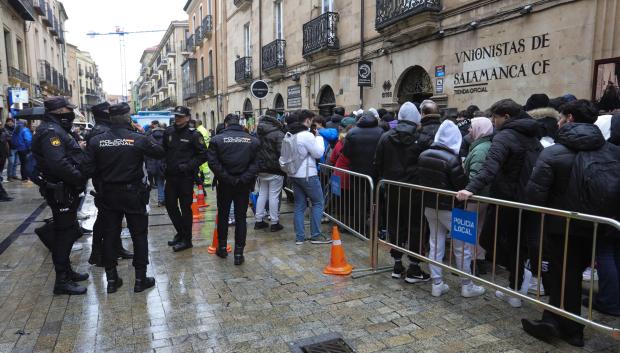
(122, 252)
(64, 285)
(185, 244)
(114, 281)
(239, 259)
(96, 257)
(221, 251)
(175, 240)
(76, 276)
(46, 234)
(142, 282)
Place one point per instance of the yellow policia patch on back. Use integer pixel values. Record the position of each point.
(55, 141)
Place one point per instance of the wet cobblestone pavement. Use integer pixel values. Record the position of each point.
(205, 304)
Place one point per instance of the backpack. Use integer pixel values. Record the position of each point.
(290, 158)
(529, 161)
(594, 183)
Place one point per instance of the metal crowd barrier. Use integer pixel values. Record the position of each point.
(349, 200)
(393, 195)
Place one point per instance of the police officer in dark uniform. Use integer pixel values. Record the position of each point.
(102, 124)
(59, 161)
(185, 152)
(116, 157)
(232, 158)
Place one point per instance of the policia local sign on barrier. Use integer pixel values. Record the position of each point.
(464, 225)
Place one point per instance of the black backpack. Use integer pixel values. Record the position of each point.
(530, 157)
(594, 185)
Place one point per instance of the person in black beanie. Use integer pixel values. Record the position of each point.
(536, 101)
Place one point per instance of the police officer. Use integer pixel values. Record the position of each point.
(185, 152)
(232, 158)
(59, 161)
(116, 157)
(102, 124)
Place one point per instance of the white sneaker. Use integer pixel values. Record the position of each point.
(471, 290)
(439, 289)
(299, 243)
(512, 301)
(82, 216)
(533, 288)
(588, 273)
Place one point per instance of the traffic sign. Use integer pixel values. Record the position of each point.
(364, 73)
(259, 89)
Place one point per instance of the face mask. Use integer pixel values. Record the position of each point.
(66, 119)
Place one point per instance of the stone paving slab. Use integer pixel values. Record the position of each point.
(204, 304)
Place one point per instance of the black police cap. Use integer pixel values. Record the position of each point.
(181, 110)
(57, 102)
(119, 109)
(101, 110)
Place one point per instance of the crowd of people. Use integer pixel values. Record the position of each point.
(558, 153)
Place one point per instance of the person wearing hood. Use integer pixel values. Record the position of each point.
(185, 152)
(440, 167)
(116, 158)
(550, 186)
(330, 137)
(396, 159)
(548, 118)
(270, 133)
(481, 133)
(336, 118)
(536, 101)
(21, 141)
(430, 122)
(607, 300)
(506, 169)
(60, 163)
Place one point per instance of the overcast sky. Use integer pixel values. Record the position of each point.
(130, 15)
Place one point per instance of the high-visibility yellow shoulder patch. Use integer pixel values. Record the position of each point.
(55, 141)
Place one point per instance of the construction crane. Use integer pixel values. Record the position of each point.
(123, 54)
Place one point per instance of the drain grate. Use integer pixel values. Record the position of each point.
(331, 343)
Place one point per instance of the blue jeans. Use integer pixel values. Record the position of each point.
(11, 169)
(303, 189)
(608, 267)
(160, 180)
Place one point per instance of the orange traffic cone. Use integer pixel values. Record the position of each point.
(196, 215)
(201, 197)
(337, 262)
(215, 243)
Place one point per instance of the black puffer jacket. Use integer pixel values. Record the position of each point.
(398, 152)
(429, 126)
(440, 168)
(270, 133)
(517, 138)
(360, 145)
(232, 157)
(550, 179)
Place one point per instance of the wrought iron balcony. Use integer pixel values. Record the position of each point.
(48, 20)
(45, 72)
(198, 36)
(54, 77)
(164, 104)
(39, 6)
(189, 44)
(207, 26)
(25, 8)
(273, 55)
(54, 27)
(205, 86)
(241, 3)
(170, 50)
(61, 34)
(243, 69)
(321, 34)
(18, 75)
(392, 11)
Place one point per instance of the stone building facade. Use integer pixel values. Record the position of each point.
(84, 80)
(33, 51)
(456, 52)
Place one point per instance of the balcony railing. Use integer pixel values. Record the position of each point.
(170, 50)
(39, 6)
(243, 69)
(390, 11)
(61, 34)
(198, 36)
(45, 72)
(205, 86)
(241, 3)
(164, 104)
(189, 44)
(273, 55)
(18, 75)
(207, 26)
(54, 77)
(48, 20)
(54, 26)
(321, 34)
(25, 8)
